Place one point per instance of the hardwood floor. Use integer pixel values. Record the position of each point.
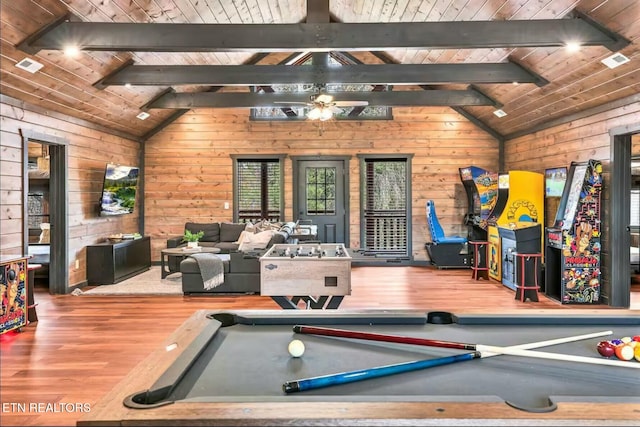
(82, 346)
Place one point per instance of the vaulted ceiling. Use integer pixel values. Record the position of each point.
(473, 55)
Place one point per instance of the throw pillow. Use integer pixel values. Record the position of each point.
(256, 241)
(243, 236)
(230, 232)
(211, 230)
(250, 227)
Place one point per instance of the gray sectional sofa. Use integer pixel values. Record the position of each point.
(241, 268)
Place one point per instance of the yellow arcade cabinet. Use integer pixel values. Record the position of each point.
(520, 204)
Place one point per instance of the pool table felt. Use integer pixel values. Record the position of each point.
(474, 389)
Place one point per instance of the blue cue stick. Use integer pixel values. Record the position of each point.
(380, 371)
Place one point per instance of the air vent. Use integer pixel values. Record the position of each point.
(500, 113)
(615, 60)
(30, 65)
(143, 115)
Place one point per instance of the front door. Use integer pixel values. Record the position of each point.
(320, 197)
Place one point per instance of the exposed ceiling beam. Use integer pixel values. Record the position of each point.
(457, 108)
(247, 75)
(278, 100)
(320, 36)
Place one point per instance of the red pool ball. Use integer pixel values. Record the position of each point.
(606, 348)
(636, 338)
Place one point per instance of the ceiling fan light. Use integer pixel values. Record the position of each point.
(326, 114)
(314, 114)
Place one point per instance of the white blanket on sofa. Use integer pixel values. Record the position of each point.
(211, 269)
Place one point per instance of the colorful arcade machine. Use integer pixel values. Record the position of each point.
(520, 206)
(482, 193)
(572, 256)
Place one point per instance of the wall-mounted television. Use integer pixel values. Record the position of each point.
(554, 180)
(119, 190)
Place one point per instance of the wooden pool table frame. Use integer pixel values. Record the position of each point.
(110, 410)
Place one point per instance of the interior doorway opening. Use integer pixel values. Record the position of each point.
(45, 199)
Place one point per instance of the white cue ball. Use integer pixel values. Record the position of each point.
(296, 348)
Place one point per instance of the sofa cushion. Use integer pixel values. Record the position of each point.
(211, 230)
(226, 247)
(256, 241)
(230, 232)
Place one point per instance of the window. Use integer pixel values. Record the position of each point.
(321, 191)
(386, 205)
(258, 188)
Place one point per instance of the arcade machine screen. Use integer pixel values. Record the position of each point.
(554, 180)
(573, 197)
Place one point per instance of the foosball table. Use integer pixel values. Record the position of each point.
(316, 275)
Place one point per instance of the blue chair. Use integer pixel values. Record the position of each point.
(437, 233)
(445, 252)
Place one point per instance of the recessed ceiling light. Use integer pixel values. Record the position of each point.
(71, 51)
(572, 47)
(143, 115)
(29, 65)
(500, 113)
(615, 60)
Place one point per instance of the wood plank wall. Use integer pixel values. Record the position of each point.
(89, 150)
(578, 141)
(188, 169)
(188, 174)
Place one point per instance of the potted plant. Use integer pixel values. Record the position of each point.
(192, 238)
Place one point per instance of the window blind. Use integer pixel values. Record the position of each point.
(385, 207)
(258, 189)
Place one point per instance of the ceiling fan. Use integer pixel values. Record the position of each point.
(323, 105)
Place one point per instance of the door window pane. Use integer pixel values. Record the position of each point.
(320, 191)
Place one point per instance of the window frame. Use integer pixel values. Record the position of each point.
(258, 158)
(363, 160)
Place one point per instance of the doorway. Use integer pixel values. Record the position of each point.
(634, 220)
(321, 195)
(57, 200)
(620, 229)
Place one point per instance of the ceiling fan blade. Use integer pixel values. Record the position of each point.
(291, 103)
(351, 103)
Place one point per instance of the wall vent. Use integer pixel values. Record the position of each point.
(615, 60)
(30, 65)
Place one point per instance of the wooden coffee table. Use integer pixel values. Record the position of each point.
(181, 253)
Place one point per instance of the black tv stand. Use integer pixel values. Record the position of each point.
(110, 263)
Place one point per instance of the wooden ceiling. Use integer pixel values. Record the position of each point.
(556, 84)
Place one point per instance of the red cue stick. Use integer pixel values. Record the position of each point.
(315, 330)
(487, 351)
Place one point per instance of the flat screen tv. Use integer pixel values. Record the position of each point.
(119, 190)
(554, 180)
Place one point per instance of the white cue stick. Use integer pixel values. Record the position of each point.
(340, 333)
(512, 351)
(528, 346)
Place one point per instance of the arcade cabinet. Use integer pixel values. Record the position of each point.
(481, 187)
(520, 205)
(519, 238)
(572, 257)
